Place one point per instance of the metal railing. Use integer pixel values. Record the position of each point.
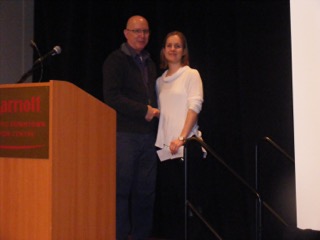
(275, 146)
(188, 204)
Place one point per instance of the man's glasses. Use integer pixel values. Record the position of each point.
(139, 31)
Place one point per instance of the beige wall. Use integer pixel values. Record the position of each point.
(16, 32)
(305, 29)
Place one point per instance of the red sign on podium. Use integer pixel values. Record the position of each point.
(24, 122)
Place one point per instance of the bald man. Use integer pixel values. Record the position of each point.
(129, 76)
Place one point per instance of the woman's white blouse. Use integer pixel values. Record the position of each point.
(176, 95)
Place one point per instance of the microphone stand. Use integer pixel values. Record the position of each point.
(56, 50)
(30, 72)
(35, 47)
(27, 74)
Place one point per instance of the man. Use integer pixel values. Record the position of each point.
(129, 77)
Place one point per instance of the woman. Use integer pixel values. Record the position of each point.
(180, 98)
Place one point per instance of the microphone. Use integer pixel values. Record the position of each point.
(55, 51)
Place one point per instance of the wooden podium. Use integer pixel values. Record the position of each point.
(68, 192)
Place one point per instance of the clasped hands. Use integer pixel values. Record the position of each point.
(152, 112)
(175, 144)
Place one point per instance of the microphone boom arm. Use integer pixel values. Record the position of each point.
(55, 51)
(27, 74)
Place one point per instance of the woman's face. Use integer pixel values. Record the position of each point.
(173, 50)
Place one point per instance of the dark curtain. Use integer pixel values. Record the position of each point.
(242, 50)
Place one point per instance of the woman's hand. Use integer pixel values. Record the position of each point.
(175, 145)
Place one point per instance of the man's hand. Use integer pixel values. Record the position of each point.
(152, 112)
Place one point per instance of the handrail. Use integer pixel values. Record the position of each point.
(238, 177)
(203, 220)
(276, 146)
(188, 203)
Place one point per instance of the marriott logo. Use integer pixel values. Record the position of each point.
(20, 106)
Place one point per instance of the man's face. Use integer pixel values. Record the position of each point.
(137, 33)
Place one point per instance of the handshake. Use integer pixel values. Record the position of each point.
(152, 112)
